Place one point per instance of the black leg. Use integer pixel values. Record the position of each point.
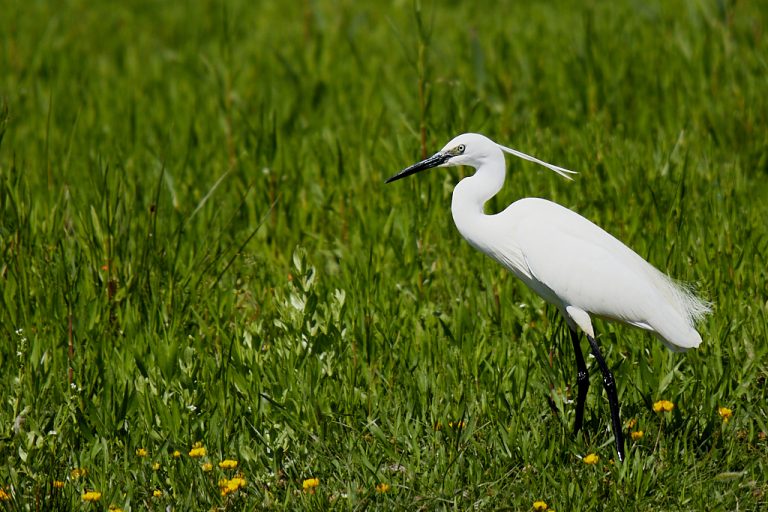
(582, 381)
(613, 399)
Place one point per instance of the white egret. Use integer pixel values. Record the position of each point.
(567, 260)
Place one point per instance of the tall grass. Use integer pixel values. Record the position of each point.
(197, 247)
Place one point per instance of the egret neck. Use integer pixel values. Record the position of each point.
(471, 194)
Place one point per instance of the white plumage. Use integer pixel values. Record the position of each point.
(571, 262)
(566, 259)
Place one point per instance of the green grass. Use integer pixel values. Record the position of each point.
(196, 245)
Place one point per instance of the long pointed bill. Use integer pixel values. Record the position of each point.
(429, 163)
(559, 170)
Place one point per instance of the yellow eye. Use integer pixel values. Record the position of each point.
(460, 148)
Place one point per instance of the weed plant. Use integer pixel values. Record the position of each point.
(210, 301)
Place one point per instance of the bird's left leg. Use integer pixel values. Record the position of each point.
(582, 381)
(613, 400)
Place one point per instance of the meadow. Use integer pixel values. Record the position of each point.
(210, 300)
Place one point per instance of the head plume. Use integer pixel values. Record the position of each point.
(559, 170)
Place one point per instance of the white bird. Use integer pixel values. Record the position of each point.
(567, 260)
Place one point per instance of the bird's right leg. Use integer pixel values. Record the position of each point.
(582, 381)
(613, 400)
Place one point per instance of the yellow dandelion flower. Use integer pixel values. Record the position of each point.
(382, 487)
(141, 452)
(78, 473)
(228, 464)
(176, 454)
(231, 485)
(725, 413)
(207, 467)
(58, 484)
(457, 424)
(539, 506)
(237, 482)
(637, 435)
(310, 483)
(4, 496)
(92, 496)
(197, 451)
(631, 423)
(663, 406)
(115, 508)
(591, 459)
(157, 493)
(155, 466)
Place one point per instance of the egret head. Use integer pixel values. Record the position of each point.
(470, 149)
(466, 149)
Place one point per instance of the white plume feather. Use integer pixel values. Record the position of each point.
(559, 170)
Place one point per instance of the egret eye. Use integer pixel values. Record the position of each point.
(460, 148)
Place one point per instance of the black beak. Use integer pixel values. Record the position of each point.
(433, 161)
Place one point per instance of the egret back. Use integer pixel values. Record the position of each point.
(570, 261)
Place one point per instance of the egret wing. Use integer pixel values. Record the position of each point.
(581, 264)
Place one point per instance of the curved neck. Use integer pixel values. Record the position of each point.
(472, 192)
